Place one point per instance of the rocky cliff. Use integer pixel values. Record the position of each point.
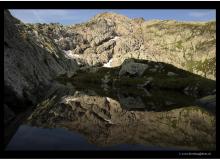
(108, 39)
(29, 61)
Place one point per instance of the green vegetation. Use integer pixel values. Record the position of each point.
(179, 44)
(203, 46)
(208, 66)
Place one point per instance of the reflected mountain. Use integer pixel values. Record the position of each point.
(114, 117)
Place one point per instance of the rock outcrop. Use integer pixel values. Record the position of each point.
(132, 68)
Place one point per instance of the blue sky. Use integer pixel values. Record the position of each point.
(74, 16)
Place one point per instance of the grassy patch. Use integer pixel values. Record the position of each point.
(208, 66)
(179, 44)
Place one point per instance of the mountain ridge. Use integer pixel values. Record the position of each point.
(187, 45)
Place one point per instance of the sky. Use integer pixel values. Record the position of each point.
(74, 16)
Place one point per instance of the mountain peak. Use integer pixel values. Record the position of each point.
(111, 16)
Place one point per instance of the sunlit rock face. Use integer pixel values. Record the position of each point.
(104, 122)
(109, 36)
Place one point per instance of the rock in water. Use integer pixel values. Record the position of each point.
(171, 74)
(209, 102)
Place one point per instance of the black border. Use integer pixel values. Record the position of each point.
(105, 5)
(110, 5)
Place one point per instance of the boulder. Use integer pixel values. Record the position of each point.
(214, 91)
(131, 103)
(192, 90)
(106, 79)
(70, 74)
(133, 68)
(153, 69)
(171, 74)
(150, 79)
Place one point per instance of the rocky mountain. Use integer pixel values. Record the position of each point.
(108, 39)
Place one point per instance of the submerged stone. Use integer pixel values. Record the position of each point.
(207, 101)
(171, 74)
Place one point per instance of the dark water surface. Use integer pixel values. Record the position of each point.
(97, 118)
(33, 138)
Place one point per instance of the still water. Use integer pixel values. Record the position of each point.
(100, 118)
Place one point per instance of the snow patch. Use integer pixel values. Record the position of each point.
(108, 64)
(115, 38)
(68, 99)
(108, 99)
(70, 55)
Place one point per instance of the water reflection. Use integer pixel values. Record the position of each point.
(62, 139)
(117, 119)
